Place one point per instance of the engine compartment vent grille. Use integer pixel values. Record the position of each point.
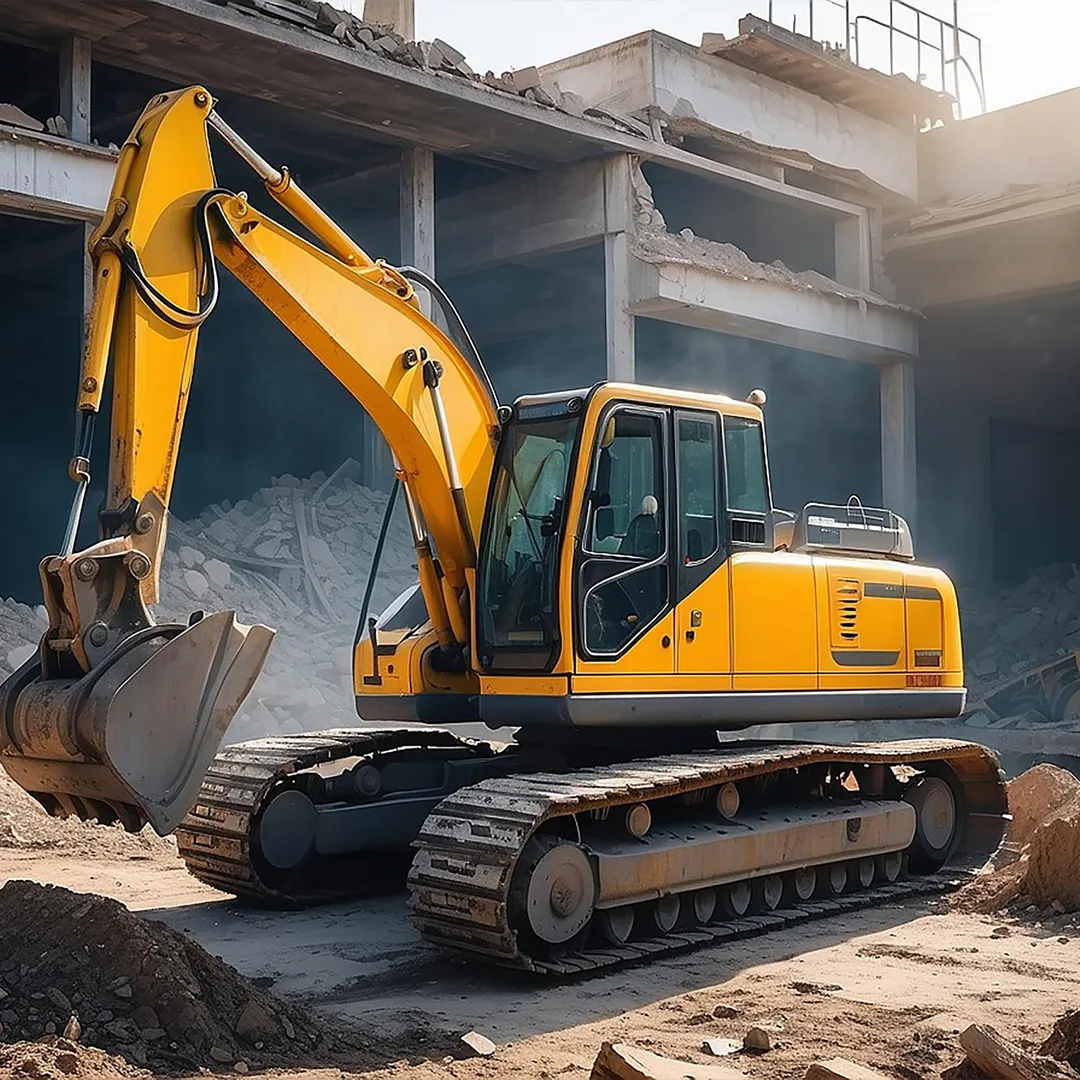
(847, 596)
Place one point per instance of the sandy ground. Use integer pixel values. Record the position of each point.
(888, 988)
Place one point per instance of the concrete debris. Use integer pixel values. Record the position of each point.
(1007, 632)
(620, 1061)
(652, 243)
(13, 115)
(437, 57)
(477, 1045)
(1001, 1059)
(294, 556)
(842, 1069)
(721, 1047)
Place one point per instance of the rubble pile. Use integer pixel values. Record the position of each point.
(436, 57)
(1036, 864)
(1008, 631)
(651, 242)
(85, 968)
(295, 557)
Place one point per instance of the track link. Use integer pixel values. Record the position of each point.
(217, 837)
(461, 877)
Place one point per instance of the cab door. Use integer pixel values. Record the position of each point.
(703, 587)
(623, 604)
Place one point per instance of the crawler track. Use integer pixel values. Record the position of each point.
(463, 872)
(217, 837)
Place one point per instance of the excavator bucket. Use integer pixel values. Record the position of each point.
(130, 741)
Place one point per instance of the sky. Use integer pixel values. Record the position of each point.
(1029, 46)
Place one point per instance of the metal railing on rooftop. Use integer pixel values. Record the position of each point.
(955, 55)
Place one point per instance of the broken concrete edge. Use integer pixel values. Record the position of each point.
(434, 57)
(650, 242)
(668, 249)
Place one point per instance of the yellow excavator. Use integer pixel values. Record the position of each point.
(601, 570)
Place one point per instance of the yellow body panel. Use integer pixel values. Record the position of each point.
(703, 635)
(773, 616)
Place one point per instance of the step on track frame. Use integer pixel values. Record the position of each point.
(462, 875)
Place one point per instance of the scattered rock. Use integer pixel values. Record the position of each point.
(757, 1039)
(842, 1069)
(256, 1023)
(721, 1047)
(478, 1045)
(726, 1012)
(620, 1061)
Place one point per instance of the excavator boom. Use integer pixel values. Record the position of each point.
(116, 718)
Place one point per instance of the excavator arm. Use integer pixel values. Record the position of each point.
(117, 718)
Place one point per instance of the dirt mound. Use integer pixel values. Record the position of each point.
(1064, 1041)
(139, 988)
(1037, 863)
(53, 1058)
(25, 824)
(1035, 796)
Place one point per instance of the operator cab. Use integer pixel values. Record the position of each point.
(656, 492)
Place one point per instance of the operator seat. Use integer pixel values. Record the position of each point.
(642, 539)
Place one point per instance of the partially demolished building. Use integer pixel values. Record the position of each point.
(757, 211)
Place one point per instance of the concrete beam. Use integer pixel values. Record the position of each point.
(898, 461)
(997, 262)
(522, 216)
(75, 87)
(800, 319)
(41, 174)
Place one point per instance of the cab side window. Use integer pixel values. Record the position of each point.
(698, 464)
(625, 576)
(746, 481)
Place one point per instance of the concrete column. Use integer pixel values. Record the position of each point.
(621, 365)
(898, 488)
(75, 109)
(853, 255)
(75, 87)
(418, 209)
(417, 216)
(399, 14)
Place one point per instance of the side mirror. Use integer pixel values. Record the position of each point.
(604, 522)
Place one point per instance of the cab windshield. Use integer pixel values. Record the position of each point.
(517, 602)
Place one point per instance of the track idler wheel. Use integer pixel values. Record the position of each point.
(553, 894)
(936, 823)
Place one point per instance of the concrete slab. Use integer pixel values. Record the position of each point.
(651, 69)
(831, 325)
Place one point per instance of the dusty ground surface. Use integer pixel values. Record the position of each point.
(888, 988)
